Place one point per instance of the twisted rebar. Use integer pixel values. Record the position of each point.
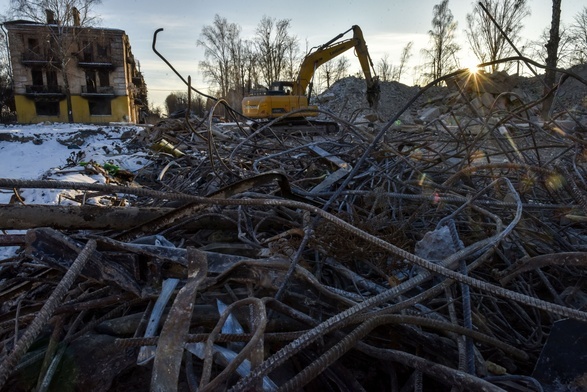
(46, 312)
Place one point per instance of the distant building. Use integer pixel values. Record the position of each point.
(105, 83)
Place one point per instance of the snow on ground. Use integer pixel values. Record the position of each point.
(64, 152)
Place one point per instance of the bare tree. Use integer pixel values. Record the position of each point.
(404, 58)
(293, 59)
(65, 21)
(384, 68)
(387, 71)
(483, 35)
(219, 41)
(578, 32)
(252, 78)
(332, 71)
(7, 104)
(441, 57)
(173, 104)
(63, 11)
(238, 55)
(274, 45)
(567, 48)
(178, 100)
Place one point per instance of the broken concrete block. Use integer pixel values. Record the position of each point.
(479, 106)
(477, 103)
(436, 245)
(430, 114)
(487, 100)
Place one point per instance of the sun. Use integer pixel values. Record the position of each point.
(471, 65)
(473, 74)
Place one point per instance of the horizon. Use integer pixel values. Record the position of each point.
(386, 32)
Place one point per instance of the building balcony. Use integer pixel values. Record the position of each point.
(32, 58)
(97, 91)
(41, 90)
(89, 61)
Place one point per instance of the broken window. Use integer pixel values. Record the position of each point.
(47, 108)
(100, 107)
(53, 49)
(88, 51)
(98, 81)
(104, 77)
(33, 50)
(51, 78)
(91, 81)
(33, 45)
(102, 51)
(37, 76)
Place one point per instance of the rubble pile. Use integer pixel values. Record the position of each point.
(433, 253)
(347, 100)
(573, 90)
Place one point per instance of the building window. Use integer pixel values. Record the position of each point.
(92, 77)
(88, 52)
(91, 81)
(102, 51)
(50, 108)
(33, 45)
(51, 78)
(104, 77)
(100, 107)
(37, 76)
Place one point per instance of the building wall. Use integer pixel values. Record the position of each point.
(121, 93)
(27, 113)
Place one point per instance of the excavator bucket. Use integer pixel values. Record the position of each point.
(373, 93)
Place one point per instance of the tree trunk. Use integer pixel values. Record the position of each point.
(67, 94)
(552, 58)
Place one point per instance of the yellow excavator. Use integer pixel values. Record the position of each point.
(285, 97)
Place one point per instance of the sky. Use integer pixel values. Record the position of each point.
(387, 27)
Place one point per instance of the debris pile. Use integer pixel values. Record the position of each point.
(347, 100)
(430, 253)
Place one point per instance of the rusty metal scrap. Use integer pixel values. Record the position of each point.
(437, 252)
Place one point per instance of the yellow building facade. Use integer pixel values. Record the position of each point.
(72, 73)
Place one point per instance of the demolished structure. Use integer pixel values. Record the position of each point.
(434, 244)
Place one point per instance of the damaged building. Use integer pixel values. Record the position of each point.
(74, 73)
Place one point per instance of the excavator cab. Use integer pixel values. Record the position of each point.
(280, 88)
(276, 101)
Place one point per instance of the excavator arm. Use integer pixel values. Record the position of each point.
(332, 49)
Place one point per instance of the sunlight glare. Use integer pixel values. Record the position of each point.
(471, 65)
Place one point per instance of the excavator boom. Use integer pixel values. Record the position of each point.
(332, 49)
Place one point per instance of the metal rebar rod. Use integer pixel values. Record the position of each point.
(46, 312)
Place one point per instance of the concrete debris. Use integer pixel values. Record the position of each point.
(318, 244)
(346, 99)
(436, 245)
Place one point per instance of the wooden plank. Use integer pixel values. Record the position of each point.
(22, 217)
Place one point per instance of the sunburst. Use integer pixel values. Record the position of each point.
(472, 66)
